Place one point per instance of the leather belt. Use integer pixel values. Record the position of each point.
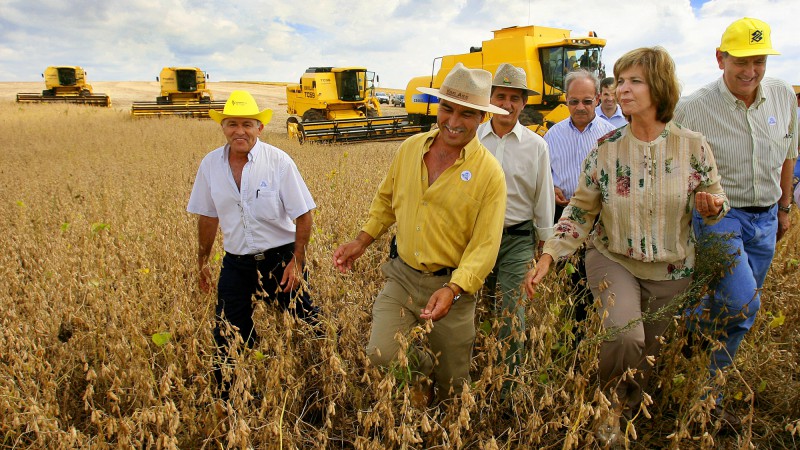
(756, 209)
(514, 230)
(439, 273)
(263, 255)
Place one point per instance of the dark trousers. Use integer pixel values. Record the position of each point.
(577, 283)
(243, 277)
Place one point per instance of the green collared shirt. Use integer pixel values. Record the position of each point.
(751, 144)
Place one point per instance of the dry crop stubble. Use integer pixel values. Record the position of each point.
(106, 341)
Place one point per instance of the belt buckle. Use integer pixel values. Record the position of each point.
(259, 256)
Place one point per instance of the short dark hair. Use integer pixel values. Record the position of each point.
(607, 82)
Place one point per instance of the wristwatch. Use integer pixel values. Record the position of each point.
(786, 208)
(455, 296)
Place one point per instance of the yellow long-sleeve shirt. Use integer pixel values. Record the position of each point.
(455, 222)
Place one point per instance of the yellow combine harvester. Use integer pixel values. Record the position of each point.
(65, 84)
(336, 104)
(546, 54)
(183, 93)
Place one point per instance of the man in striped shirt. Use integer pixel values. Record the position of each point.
(751, 125)
(570, 141)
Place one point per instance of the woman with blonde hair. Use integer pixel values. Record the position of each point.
(641, 183)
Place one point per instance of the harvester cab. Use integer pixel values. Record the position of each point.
(183, 93)
(65, 84)
(546, 54)
(338, 104)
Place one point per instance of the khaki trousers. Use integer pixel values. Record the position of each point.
(631, 297)
(397, 309)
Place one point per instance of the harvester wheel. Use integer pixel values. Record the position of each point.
(371, 112)
(205, 99)
(85, 93)
(313, 115)
(162, 101)
(47, 93)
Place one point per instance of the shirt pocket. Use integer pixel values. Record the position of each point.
(267, 205)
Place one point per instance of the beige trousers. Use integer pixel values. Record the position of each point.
(631, 297)
(397, 308)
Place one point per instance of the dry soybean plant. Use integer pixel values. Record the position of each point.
(105, 340)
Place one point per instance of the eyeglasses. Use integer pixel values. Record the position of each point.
(575, 101)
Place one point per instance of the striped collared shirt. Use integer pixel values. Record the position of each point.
(749, 144)
(617, 119)
(569, 147)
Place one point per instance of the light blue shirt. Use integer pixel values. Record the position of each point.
(617, 119)
(569, 147)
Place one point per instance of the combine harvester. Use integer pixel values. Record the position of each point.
(546, 54)
(183, 93)
(65, 84)
(336, 104)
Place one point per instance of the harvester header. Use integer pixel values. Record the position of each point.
(183, 93)
(65, 84)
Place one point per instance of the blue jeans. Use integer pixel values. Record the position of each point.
(730, 310)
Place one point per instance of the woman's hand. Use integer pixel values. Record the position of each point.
(707, 204)
(535, 275)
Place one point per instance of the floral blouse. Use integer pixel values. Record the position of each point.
(642, 194)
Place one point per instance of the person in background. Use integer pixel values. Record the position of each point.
(255, 194)
(751, 123)
(641, 183)
(447, 195)
(569, 141)
(529, 208)
(608, 108)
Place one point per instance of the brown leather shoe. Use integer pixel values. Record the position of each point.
(422, 395)
(728, 420)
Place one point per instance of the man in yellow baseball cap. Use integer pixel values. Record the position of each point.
(255, 194)
(751, 124)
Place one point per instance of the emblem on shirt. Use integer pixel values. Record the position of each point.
(466, 175)
(263, 185)
(771, 120)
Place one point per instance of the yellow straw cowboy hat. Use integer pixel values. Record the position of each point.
(512, 77)
(467, 87)
(242, 105)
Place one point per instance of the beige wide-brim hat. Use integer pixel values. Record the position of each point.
(747, 37)
(467, 87)
(241, 105)
(512, 77)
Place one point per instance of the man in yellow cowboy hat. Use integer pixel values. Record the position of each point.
(530, 205)
(447, 194)
(751, 126)
(255, 194)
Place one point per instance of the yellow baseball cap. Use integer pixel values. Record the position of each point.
(242, 105)
(747, 37)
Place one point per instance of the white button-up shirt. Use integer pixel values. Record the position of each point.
(529, 182)
(260, 215)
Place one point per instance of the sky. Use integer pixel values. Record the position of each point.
(270, 40)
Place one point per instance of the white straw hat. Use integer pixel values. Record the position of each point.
(512, 77)
(467, 87)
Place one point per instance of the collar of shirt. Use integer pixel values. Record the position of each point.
(734, 102)
(588, 126)
(617, 113)
(486, 129)
(471, 147)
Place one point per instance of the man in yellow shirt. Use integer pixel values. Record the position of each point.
(447, 194)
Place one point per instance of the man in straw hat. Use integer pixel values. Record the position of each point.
(254, 192)
(447, 194)
(751, 126)
(530, 205)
